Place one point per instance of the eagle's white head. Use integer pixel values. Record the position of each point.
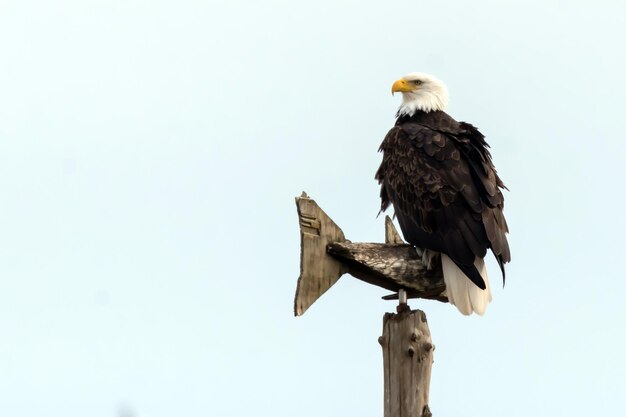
(420, 92)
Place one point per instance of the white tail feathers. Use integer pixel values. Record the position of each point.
(462, 292)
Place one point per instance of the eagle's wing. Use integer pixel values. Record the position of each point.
(472, 144)
(445, 194)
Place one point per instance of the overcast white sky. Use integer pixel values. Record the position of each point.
(150, 152)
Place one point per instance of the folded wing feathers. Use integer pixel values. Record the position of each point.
(454, 204)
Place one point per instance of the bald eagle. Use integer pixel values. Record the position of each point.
(438, 175)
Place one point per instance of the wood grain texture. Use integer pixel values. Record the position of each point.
(407, 360)
(391, 233)
(325, 255)
(393, 267)
(318, 271)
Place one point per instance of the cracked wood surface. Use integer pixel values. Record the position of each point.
(325, 255)
(390, 266)
(407, 363)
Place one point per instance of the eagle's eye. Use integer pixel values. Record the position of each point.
(418, 82)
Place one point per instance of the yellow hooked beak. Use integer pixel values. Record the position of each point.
(402, 86)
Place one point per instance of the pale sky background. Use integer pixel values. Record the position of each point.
(150, 152)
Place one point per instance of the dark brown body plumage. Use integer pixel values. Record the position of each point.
(438, 175)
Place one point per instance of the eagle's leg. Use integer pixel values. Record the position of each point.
(428, 257)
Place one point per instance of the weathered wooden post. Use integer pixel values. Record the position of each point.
(407, 358)
(407, 346)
